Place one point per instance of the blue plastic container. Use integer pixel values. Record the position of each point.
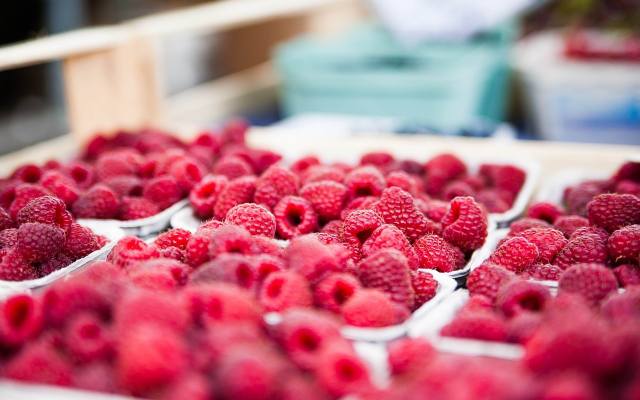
(449, 86)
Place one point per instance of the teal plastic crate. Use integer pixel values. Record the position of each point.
(448, 86)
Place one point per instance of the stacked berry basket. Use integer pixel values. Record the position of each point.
(304, 279)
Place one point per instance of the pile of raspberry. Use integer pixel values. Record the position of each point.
(41, 238)
(97, 331)
(131, 176)
(587, 336)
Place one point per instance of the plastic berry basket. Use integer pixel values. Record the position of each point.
(430, 326)
(138, 227)
(12, 390)
(553, 189)
(10, 287)
(185, 219)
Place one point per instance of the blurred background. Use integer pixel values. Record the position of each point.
(566, 70)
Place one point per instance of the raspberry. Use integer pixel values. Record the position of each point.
(265, 264)
(317, 173)
(409, 355)
(455, 189)
(229, 239)
(598, 233)
(333, 228)
(228, 267)
(24, 193)
(436, 253)
(39, 362)
(87, 339)
(547, 240)
(627, 274)
(435, 209)
(148, 307)
(544, 272)
(387, 236)
(163, 191)
(614, 211)
(232, 167)
(46, 210)
(191, 386)
(569, 386)
(294, 216)
(29, 173)
(387, 270)
(304, 333)
(80, 242)
(585, 248)
(577, 197)
(21, 319)
(590, 280)
(378, 159)
(8, 238)
(312, 259)
(425, 287)
(274, 184)
(131, 250)
(133, 208)
(303, 164)
(125, 185)
(37, 241)
(622, 307)
(326, 197)
(402, 180)
(545, 211)
(492, 200)
(149, 356)
(522, 326)
(221, 302)
(5, 220)
(505, 177)
(298, 386)
(358, 226)
(411, 167)
(523, 224)
(340, 371)
(98, 202)
(197, 249)
(236, 192)
(440, 170)
(360, 203)
(173, 238)
(285, 289)
(487, 279)
(82, 174)
(624, 244)
(173, 253)
(249, 372)
(115, 163)
(256, 219)
(480, 325)
(568, 224)
(187, 172)
(204, 195)
(465, 224)
(364, 181)
(159, 274)
(60, 186)
(54, 263)
(334, 290)
(369, 308)
(263, 245)
(398, 208)
(515, 254)
(234, 131)
(520, 296)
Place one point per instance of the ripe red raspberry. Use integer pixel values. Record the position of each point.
(80, 241)
(544, 272)
(125, 185)
(455, 189)
(82, 174)
(523, 224)
(303, 164)
(87, 339)
(46, 210)
(402, 180)
(204, 195)
(364, 181)
(238, 191)
(37, 242)
(149, 356)
(333, 228)
(436, 253)
(256, 219)
(522, 327)
(60, 186)
(480, 325)
(21, 319)
(614, 211)
(519, 296)
(221, 302)
(585, 248)
(359, 203)
(23, 194)
(173, 253)
(228, 267)
(163, 191)
(440, 170)
(66, 298)
(388, 236)
(577, 197)
(334, 290)
(230, 239)
(266, 264)
(232, 167)
(313, 259)
(8, 238)
(505, 177)
(515, 254)
(187, 172)
(378, 159)
(98, 202)
(425, 287)
(29, 173)
(285, 289)
(465, 224)
(624, 244)
(5, 220)
(39, 362)
(409, 355)
(326, 197)
(197, 249)
(369, 308)
(545, 211)
(435, 209)
(398, 208)
(493, 200)
(568, 224)
(317, 173)
(358, 226)
(622, 307)
(118, 162)
(549, 242)
(159, 274)
(133, 208)
(487, 279)
(263, 245)
(340, 371)
(141, 307)
(131, 250)
(173, 238)
(294, 216)
(14, 268)
(274, 184)
(627, 274)
(387, 270)
(590, 280)
(54, 263)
